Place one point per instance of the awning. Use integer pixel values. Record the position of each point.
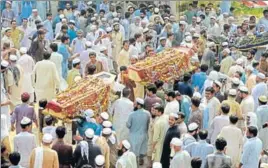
(256, 4)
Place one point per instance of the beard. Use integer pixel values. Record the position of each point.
(153, 116)
(195, 136)
(120, 152)
(135, 108)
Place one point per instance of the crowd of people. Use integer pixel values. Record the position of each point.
(215, 116)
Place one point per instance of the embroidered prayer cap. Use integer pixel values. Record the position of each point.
(25, 121)
(218, 83)
(232, 92)
(76, 61)
(109, 29)
(23, 50)
(34, 10)
(100, 160)
(47, 138)
(263, 99)
(107, 124)
(89, 133)
(235, 81)
(193, 126)
(4, 63)
(162, 38)
(261, 75)
(13, 58)
(88, 113)
(107, 131)
(226, 50)
(104, 115)
(140, 101)
(126, 144)
(243, 89)
(176, 142)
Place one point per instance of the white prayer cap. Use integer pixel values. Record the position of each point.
(107, 131)
(63, 20)
(116, 20)
(23, 50)
(107, 124)
(156, 10)
(95, 15)
(93, 27)
(13, 58)
(140, 100)
(114, 14)
(187, 34)
(25, 121)
(93, 19)
(193, 126)
(261, 75)
(89, 2)
(250, 68)
(226, 50)
(235, 81)
(61, 16)
(176, 142)
(196, 35)
(4, 63)
(188, 38)
(104, 115)
(231, 18)
(88, 113)
(47, 138)
(225, 13)
(9, 2)
(103, 19)
(239, 61)
(102, 48)
(263, 99)
(109, 29)
(192, 29)
(88, 44)
(198, 19)
(34, 10)
(89, 133)
(243, 89)
(76, 60)
(116, 23)
(134, 57)
(157, 165)
(172, 18)
(145, 30)
(174, 115)
(72, 21)
(182, 23)
(213, 75)
(197, 94)
(212, 17)
(224, 44)
(232, 92)
(211, 44)
(218, 83)
(126, 144)
(100, 160)
(162, 38)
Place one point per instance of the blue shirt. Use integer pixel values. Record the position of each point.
(105, 7)
(198, 80)
(205, 118)
(184, 89)
(72, 34)
(85, 126)
(62, 49)
(185, 107)
(251, 152)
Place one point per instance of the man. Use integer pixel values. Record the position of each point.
(218, 123)
(181, 124)
(184, 87)
(247, 104)
(172, 105)
(44, 156)
(138, 122)
(46, 79)
(100, 161)
(74, 74)
(201, 148)
(264, 64)
(260, 89)
(135, 27)
(251, 149)
(64, 50)
(218, 159)
(14, 159)
(117, 41)
(71, 32)
(212, 108)
(63, 30)
(7, 14)
(234, 138)
(25, 142)
(5, 134)
(172, 132)
(217, 85)
(120, 111)
(48, 26)
(181, 158)
(15, 81)
(106, 61)
(189, 138)
(93, 61)
(21, 111)
(160, 127)
(16, 34)
(251, 78)
(126, 157)
(102, 142)
(64, 150)
(237, 67)
(151, 97)
(28, 31)
(262, 118)
(27, 64)
(56, 58)
(86, 152)
(34, 16)
(78, 44)
(209, 55)
(84, 56)
(162, 45)
(196, 113)
(123, 58)
(214, 29)
(179, 36)
(227, 61)
(198, 79)
(38, 46)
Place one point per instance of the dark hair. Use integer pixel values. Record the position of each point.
(160, 109)
(171, 94)
(92, 54)
(23, 126)
(48, 120)
(225, 108)
(14, 158)
(182, 115)
(143, 11)
(204, 67)
(226, 27)
(60, 9)
(12, 21)
(137, 35)
(195, 101)
(203, 134)
(127, 15)
(196, 162)
(64, 27)
(207, 8)
(39, 26)
(46, 55)
(83, 12)
(42, 103)
(152, 88)
(186, 77)
(49, 14)
(220, 144)
(265, 11)
(169, 35)
(36, 22)
(233, 119)
(253, 130)
(147, 38)
(125, 42)
(54, 47)
(3, 148)
(126, 92)
(210, 89)
(217, 67)
(239, 73)
(132, 41)
(64, 38)
(123, 68)
(102, 10)
(91, 69)
(60, 132)
(158, 83)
